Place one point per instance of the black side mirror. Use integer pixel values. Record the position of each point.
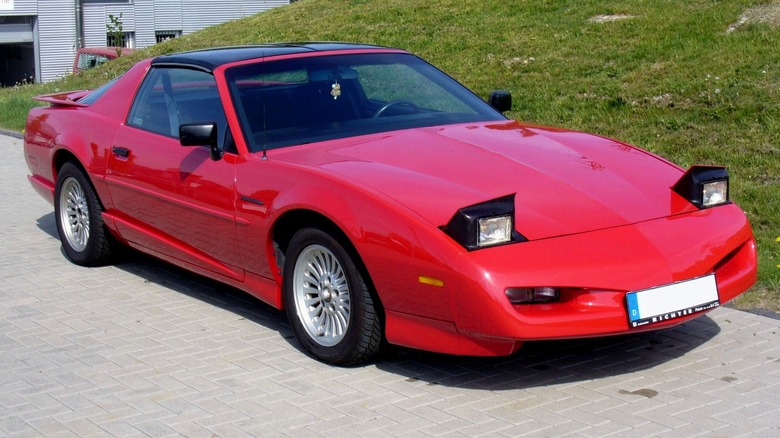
(500, 101)
(201, 134)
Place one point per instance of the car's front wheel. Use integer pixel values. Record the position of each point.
(79, 222)
(329, 304)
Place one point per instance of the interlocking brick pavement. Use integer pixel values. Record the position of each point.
(142, 348)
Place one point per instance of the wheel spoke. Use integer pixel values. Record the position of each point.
(339, 322)
(340, 284)
(312, 271)
(312, 302)
(322, 324)
(320, 264)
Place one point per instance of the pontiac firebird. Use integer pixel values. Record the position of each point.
(378, 200)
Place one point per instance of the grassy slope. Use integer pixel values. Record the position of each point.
(670, 80)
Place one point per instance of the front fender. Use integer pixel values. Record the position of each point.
(396, 246)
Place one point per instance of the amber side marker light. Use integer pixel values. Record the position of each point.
(430, 281)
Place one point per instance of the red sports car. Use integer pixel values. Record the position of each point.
(375, 198)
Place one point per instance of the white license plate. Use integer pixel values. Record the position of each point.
(672, 301)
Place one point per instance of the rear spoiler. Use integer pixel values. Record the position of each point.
(69, 98)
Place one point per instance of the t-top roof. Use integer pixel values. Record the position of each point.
(212, 58)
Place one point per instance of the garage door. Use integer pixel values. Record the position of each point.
(16, 30)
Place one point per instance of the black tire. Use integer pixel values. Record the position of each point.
(319, 300)
(78, 213)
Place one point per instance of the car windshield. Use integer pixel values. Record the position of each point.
(303, 100)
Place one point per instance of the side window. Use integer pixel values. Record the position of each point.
(172, 96)
(90, 60)
(150, 108)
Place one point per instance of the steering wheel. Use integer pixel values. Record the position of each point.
(393, 103)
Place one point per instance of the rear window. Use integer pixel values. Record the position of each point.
(92, 97)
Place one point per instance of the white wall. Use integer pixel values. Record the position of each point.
(56, 23)
(56, 37)
(21, 7)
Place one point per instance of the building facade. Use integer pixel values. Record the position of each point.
(38, 38)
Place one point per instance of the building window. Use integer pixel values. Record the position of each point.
(108, 1)
(127, 40)
(162, 35)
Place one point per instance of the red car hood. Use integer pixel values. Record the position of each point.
(565, 182)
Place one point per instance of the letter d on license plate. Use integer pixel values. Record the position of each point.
(671, 301)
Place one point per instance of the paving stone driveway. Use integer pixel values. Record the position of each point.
(145, 349)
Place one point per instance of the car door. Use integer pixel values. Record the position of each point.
(170, 200)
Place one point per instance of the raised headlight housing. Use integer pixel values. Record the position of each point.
(704, 186)
(486, 224)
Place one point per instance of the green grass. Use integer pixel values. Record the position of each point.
(671, 79)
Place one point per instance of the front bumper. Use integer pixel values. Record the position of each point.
(601, 267)
(596, 270)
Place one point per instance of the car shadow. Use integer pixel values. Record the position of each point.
(209, 291)
(543, 363)
(47, 224)
(172, 277)
(538, 363)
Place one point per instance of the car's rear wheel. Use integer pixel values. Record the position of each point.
(79, 222)
(329, 304)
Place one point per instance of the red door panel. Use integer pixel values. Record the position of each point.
(175, 200)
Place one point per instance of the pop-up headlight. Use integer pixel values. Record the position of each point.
(704, 186)
(715, 193)
(486, 224)
(494, 230)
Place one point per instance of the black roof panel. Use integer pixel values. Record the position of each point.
(210, 59)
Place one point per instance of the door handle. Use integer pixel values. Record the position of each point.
(120, 151)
